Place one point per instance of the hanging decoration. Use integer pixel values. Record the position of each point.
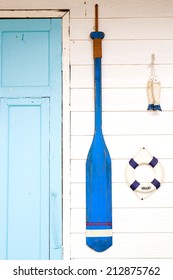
(153, 89)
(98, 166)
(144, 189)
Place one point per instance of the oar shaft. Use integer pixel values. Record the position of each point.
(98, 167)
(97, 37)
(98, 94)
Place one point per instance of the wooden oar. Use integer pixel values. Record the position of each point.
(98, 166)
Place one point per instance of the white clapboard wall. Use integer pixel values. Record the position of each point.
(133, 31)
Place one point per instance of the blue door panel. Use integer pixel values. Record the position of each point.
(30, 139)
(30, 57)
(25, 63)
(26, 176)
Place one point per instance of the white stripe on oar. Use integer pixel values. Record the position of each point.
(98, 232)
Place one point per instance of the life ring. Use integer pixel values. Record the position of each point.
(143, 190)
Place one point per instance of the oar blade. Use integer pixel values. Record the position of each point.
(98, 196)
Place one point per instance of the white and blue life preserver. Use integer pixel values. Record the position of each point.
(144, 189)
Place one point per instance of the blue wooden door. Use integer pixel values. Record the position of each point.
(30, 139)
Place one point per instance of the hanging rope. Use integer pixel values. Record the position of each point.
(153, 89)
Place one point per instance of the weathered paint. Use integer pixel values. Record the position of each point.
(98, 176)
(30, 142)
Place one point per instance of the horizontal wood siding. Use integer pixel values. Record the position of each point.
(108, 9)
(142, 229)
(133, 31)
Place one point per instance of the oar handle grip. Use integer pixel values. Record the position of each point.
(97, 36)
(96, 18)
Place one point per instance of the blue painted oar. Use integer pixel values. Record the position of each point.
(98, 167)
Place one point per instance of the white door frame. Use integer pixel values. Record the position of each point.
(64, 14)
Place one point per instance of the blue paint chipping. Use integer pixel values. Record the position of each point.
(98, 174)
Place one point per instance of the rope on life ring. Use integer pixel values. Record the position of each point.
(144, 189)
